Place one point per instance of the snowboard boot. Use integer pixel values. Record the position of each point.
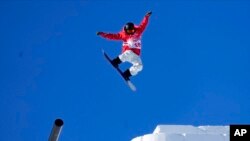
(126, 74)
(115, 62)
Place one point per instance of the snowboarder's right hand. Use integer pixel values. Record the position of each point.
(149, 13)
(99, 33)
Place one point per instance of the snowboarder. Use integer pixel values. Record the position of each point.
(131, 47)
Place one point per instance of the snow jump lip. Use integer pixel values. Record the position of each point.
(186, 133)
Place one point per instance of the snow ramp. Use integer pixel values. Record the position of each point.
(187, 133)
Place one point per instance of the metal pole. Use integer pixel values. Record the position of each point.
(57, 127)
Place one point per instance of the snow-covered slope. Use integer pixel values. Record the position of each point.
(187, 133)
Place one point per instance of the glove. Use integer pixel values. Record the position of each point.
(149, 13)
(99, 33)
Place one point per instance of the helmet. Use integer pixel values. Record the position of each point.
(129, 26)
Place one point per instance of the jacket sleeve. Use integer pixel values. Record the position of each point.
(111, 36)
(143, 24)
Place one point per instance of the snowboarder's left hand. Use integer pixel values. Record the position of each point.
(99, 33)
(149, 13)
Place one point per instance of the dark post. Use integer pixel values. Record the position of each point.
(55, 133)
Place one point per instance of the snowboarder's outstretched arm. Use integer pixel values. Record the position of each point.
(111, 36)
(144, 22)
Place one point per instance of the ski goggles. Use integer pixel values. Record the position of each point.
(130, 31)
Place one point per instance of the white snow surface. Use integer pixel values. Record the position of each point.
(186, 133)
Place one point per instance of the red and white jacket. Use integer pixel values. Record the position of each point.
(130, 42)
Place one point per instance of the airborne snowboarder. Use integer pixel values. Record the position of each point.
(131, 47)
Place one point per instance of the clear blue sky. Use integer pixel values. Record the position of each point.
(196, 59)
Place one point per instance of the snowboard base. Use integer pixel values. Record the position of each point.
(129, 83)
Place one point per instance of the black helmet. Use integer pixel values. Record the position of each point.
(129, 26)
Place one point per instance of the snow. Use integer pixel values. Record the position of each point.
(186, 133)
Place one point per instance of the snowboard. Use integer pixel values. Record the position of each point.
(128, 82)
